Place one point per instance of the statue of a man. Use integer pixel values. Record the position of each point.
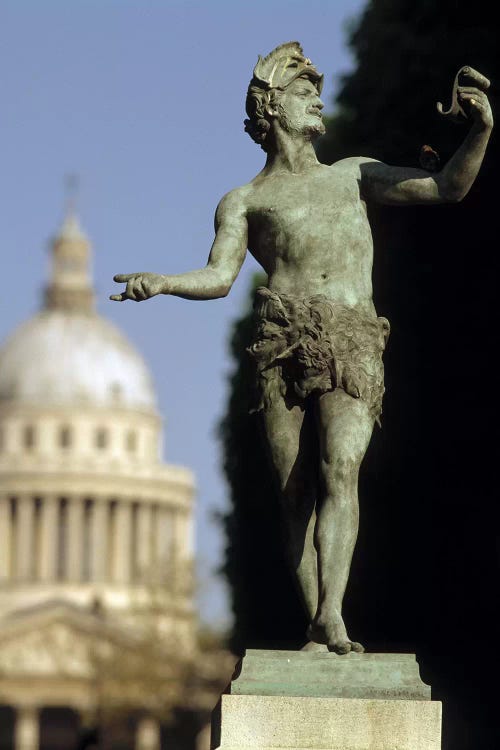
(318, 341)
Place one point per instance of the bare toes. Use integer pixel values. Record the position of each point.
(357, 647)
(343, 647)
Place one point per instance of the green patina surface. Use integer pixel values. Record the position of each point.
(301, 673)
(319, 341)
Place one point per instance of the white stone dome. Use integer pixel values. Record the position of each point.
(67, 355)
(73, 358)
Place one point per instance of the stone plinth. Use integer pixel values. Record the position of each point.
(321, 701)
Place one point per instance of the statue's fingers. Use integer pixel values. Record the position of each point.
(130, 291)
(470, 90)
(118, 297)
(140, 290)
(473, 91)
(122, 278)
(473, 98)
(477, 77)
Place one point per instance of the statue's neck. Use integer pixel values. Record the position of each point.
(290, 153)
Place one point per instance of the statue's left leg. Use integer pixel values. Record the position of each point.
(345, 427)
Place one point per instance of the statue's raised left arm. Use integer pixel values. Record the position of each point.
(383, 183)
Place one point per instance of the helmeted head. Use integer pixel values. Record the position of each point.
(271, 77)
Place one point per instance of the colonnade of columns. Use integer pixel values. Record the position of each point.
(81, 539)
(27, 731)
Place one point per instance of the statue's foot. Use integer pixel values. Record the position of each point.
(346, 647)
(331, 632)
(315, 647)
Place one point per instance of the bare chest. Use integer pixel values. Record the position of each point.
(303, 206)
(317, 211)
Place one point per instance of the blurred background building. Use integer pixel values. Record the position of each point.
(96, 591)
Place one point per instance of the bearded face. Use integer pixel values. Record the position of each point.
(299, 108)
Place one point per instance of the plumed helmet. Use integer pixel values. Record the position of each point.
(282, 66)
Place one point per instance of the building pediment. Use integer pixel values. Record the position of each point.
(57, 639)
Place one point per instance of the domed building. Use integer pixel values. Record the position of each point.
(91, 520)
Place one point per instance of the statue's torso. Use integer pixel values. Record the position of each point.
(311, 234)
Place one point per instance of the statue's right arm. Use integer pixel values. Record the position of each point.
(216, 279)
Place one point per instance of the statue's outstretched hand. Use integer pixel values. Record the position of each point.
(474, 98)
(140, 286)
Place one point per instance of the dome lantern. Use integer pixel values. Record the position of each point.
(70, 285)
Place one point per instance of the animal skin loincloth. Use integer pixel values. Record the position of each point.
(314, 345)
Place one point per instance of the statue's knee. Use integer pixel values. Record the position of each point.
(339, 472)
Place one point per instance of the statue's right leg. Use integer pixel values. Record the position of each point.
(291, 442)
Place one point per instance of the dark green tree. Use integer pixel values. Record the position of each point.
(427, 557)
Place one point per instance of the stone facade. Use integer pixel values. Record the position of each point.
(90, 517)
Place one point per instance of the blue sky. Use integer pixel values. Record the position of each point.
(145, 102)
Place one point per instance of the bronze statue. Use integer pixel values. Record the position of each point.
(318, 341)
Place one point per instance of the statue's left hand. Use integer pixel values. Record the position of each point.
(474, 98)
(140, 286)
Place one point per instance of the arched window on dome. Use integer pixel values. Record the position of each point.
(65, 436)
(29, 437)
(101, 438)
(131, 441)
(116, 390)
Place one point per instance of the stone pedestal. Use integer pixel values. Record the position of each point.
(320, 701)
